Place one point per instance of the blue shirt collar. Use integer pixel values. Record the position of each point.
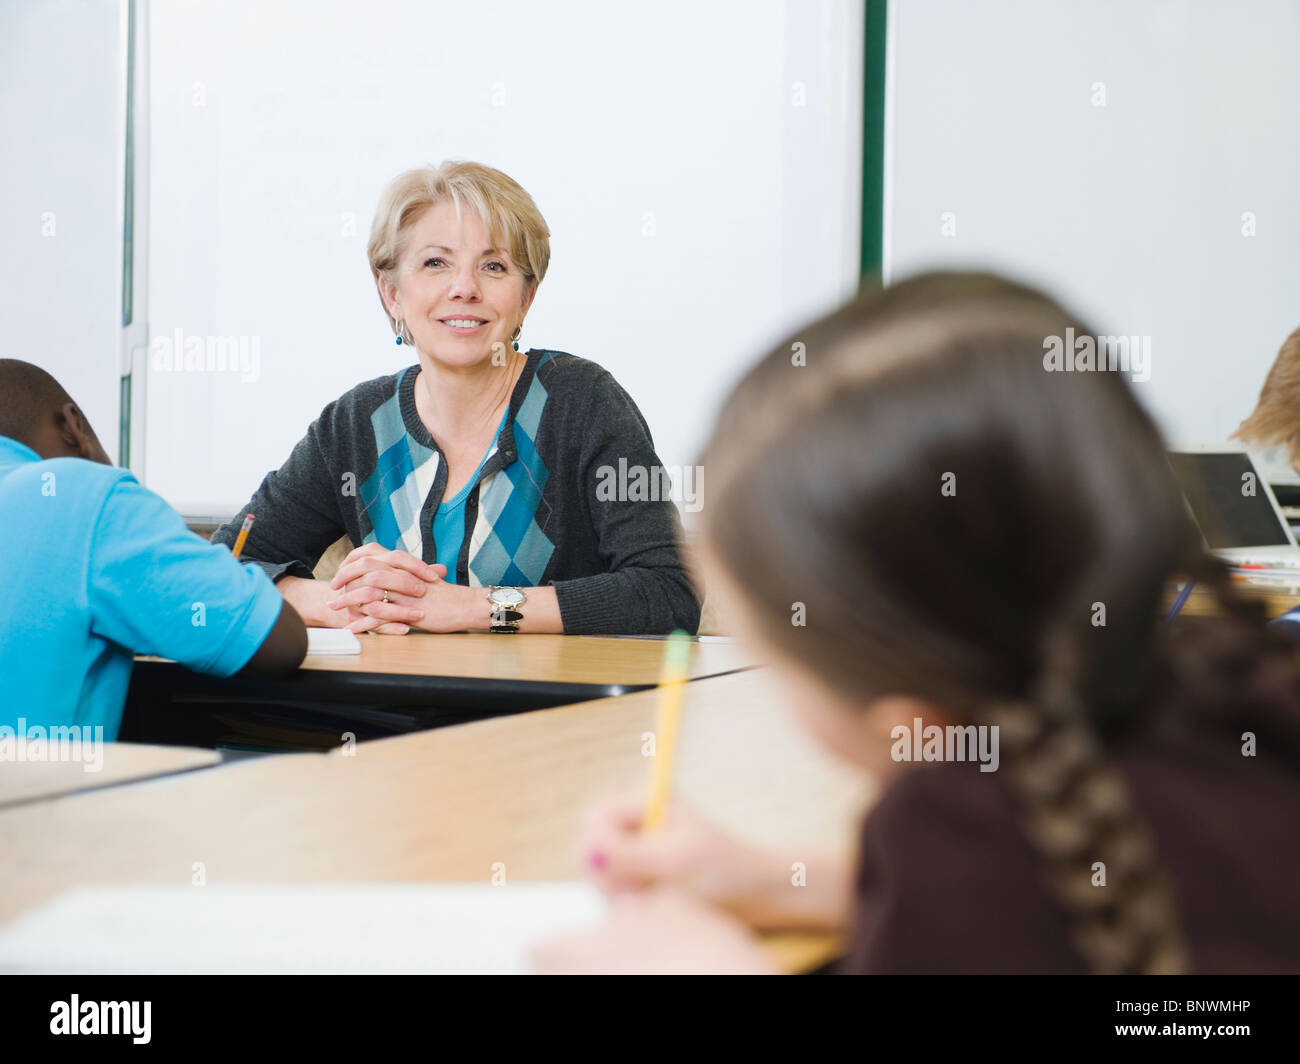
(13, 451)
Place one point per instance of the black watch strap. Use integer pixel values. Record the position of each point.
(506, 620)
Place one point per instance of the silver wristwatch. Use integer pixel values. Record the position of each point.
(505, 603)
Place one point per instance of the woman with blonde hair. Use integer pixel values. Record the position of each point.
(469, 480)
(1274, 426)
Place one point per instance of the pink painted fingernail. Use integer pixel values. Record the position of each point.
(596, 859)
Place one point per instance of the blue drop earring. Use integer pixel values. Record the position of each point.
(403, 336)
(514, 337)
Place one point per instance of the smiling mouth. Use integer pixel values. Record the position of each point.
(463, 324)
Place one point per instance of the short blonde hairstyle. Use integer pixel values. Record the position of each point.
(1276, 419)
(509, 215)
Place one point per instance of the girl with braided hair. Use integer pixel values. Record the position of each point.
(977, 540)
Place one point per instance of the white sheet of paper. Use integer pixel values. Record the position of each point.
(401, 928)
(332, 641)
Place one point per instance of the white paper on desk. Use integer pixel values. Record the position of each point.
(332, 641)
(402, 928)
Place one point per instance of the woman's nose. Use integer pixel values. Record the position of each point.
(464, 285)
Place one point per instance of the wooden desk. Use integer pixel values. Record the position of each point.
(445, 804)
(399, 684)
(604, 661)
(1201, 604)
(25, 781)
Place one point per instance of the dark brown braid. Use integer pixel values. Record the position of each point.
(1076, 811)
(1076, 808)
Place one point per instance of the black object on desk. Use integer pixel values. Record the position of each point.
(313, 709)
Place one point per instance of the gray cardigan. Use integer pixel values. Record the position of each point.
(369, 468)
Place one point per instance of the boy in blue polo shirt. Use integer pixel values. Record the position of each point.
(97, 569)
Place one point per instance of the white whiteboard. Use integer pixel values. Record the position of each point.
(63, 124)
(698, 164)
(1131, 213)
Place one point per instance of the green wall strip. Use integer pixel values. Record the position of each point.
(873, 142)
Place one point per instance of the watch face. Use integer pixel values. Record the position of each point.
(507, 596)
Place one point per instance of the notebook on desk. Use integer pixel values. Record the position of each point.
(332, 641)
(399, 928)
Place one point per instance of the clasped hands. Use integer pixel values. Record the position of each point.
(418, 594)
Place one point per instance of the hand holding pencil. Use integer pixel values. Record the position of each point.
(629, 841)
(662, 880)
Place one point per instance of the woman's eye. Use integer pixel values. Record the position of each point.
(433, 262)
(500, 266)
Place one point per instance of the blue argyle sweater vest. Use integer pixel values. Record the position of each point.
(504, 542)
(369, 469)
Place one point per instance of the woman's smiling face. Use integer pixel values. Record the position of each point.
(458, 295)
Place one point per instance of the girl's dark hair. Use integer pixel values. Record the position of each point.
(966, 526)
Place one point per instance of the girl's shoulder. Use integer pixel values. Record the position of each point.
(947, 883)
(950, 881)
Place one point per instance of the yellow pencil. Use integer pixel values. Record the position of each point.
(243, 535)
(676, 654)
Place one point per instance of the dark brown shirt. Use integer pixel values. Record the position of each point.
(948, 883)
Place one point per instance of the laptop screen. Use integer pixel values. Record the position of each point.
(1217, 491)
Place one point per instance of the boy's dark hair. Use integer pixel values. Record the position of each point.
(27, 395)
